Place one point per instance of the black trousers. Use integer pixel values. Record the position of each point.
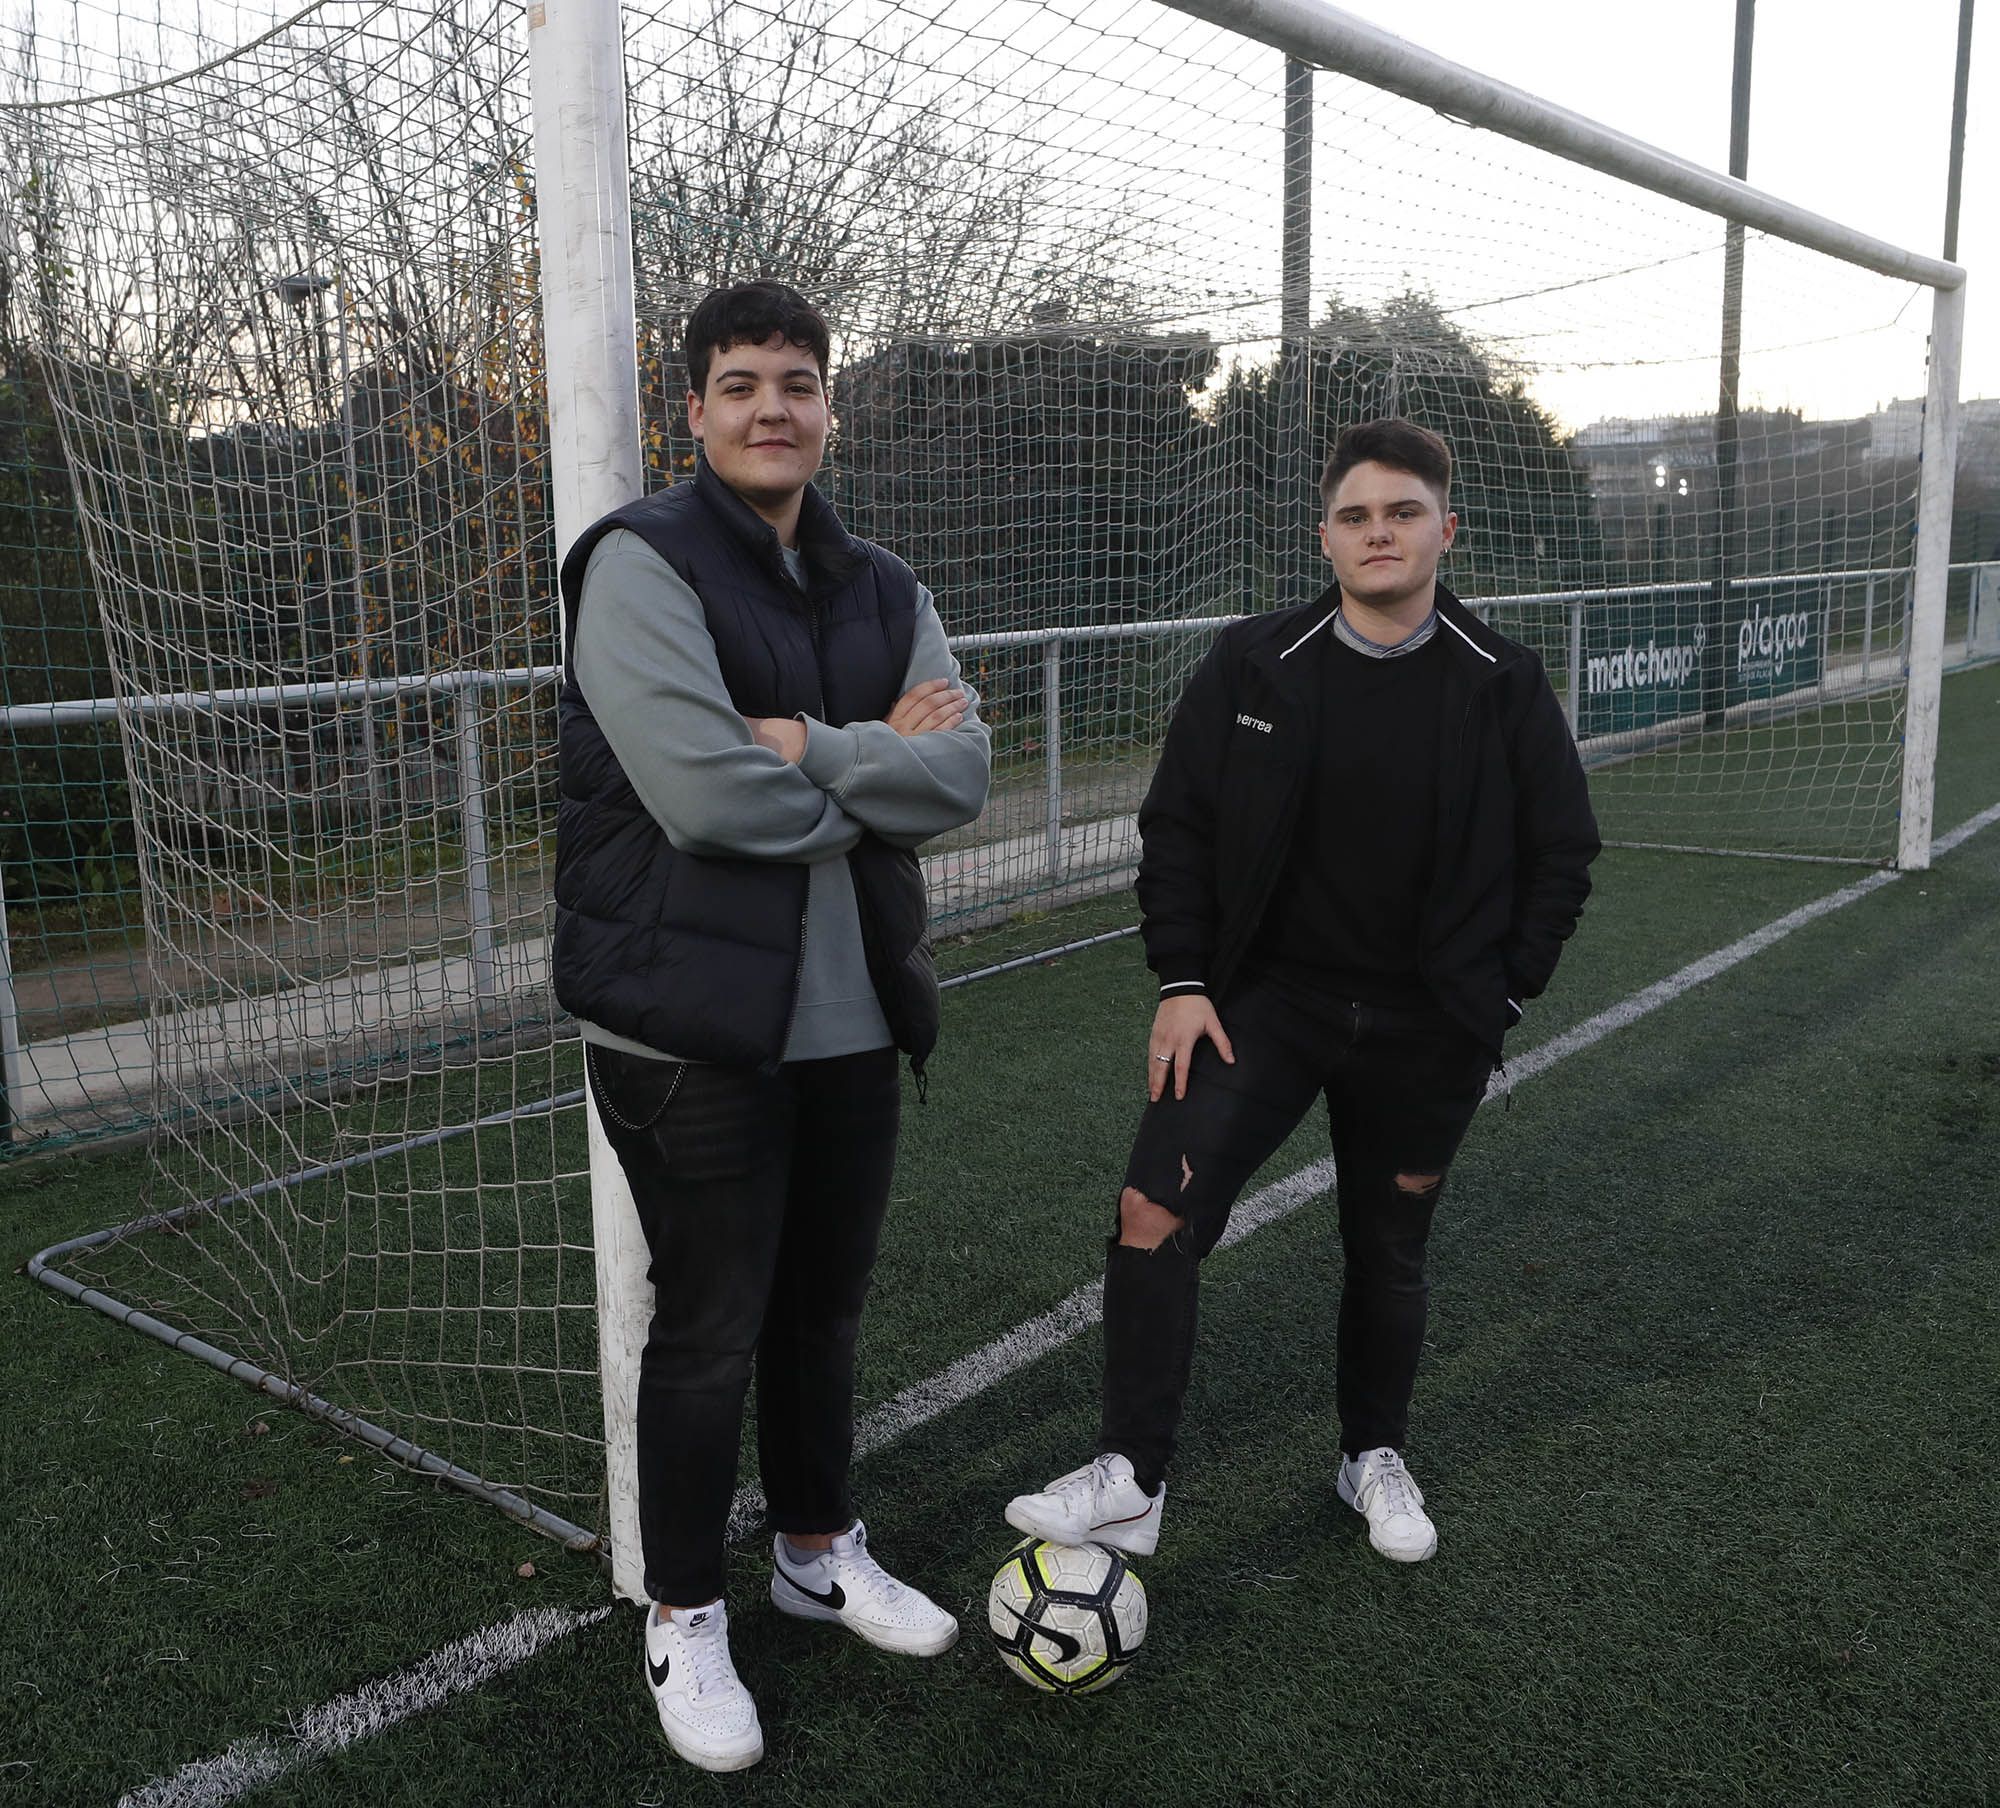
(762, 1198)
(1400, 1090)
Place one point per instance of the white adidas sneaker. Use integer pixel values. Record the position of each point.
(1377, 1486)
(846, 1584)
(1101, 1503)
(705, 1710)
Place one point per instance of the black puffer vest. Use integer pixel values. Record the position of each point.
(701, 957)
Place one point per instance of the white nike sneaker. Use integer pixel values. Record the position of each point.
(846, 1584)
(706, 1711)
(1377, 1486)
(1101, 1503)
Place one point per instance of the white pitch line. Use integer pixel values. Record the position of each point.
(1966, 830)
(333, 1726)
(468, 1662)
(985, 1368)
(1641, 1004)
(990, 1365)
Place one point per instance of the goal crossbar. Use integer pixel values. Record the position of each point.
(1332, 39)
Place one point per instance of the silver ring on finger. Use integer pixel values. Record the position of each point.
(1168, 1059)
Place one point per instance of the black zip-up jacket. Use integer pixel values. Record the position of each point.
(1515, 831)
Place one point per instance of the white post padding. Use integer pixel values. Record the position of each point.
(583, 209)
(1935, 485)
(624, 1310)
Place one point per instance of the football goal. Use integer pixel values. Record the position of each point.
(349, 320)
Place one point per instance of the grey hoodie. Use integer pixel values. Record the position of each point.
(645, 661)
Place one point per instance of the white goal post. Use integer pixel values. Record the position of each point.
(588, 324)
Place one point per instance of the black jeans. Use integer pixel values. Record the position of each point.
(762, 1197)
(1400, 1089)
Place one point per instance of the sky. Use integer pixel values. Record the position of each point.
(1850, 117)
(1850, 105)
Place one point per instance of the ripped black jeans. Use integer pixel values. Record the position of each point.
(762, 1197)
(1400, 1090)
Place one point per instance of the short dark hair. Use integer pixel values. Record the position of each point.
(1401, 445)
(749, 314)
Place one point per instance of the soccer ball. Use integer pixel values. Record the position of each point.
(1066, 1618)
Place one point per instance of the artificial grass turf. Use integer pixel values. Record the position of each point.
(1774, 1189)
(1702, 1421)
(179, 1575)
(1968, 767)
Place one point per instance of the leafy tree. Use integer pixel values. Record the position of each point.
(1054, 476)
(775, 148)
(66, 839)
(1526, 520)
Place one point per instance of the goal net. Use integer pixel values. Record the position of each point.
(284, 285)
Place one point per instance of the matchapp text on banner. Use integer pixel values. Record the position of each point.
(1644, 662)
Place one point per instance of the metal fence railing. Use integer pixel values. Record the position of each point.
(95, 1077)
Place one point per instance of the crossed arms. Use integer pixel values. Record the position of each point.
(773, 788)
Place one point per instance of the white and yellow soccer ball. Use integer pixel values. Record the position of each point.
(1066, 1618)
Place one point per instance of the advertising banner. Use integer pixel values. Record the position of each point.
(1643, 659)
(1776, 643)
(1641, 663)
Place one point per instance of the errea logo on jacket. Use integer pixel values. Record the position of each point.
(1259, 725)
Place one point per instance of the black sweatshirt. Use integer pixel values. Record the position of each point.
(1346, 918)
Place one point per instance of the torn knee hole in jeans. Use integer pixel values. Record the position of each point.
(1143, 1223)
(1418, 1186)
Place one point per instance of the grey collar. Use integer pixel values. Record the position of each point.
(1349, 636)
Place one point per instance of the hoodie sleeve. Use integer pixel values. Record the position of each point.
(907, 788)
(646, 663)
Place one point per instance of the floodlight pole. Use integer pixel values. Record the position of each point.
(1955, 180)
(297, 291)
(364, 643)
(1729, 525)
(583, 210)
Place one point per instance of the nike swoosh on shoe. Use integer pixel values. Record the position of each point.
(659, 1672)
(835, 1596)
